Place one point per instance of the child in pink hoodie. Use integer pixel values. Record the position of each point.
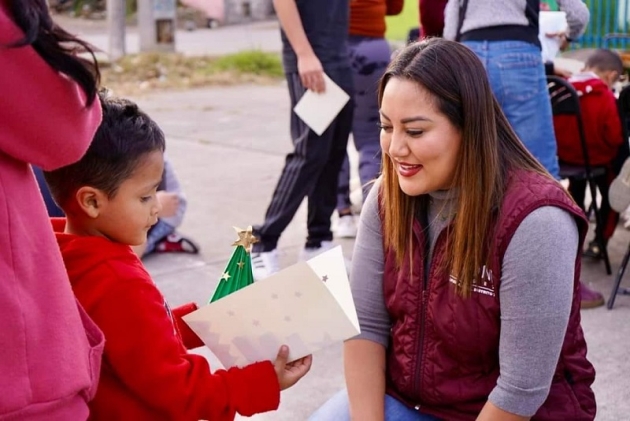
(50, 350)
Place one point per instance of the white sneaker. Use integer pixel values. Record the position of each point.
(346, 227)
(265, 264)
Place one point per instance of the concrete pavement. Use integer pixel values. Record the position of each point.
(228, 146)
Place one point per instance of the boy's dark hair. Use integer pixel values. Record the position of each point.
(125, 136)
(605, 60)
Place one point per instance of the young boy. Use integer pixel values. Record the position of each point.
(602, 129)
(109, 198)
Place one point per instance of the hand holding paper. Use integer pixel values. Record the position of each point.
(307, 307)
(289, 373)
(319, 110)
(551, 23)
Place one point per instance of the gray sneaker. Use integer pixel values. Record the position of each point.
(619, 192)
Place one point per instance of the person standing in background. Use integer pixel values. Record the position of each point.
(50, 350)
(431, 17)
(506, 40)
(369, 57)
(314, 42)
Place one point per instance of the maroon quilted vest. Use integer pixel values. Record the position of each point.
(443, 354)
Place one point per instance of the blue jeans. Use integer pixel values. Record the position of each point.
(157, 233)
(338, 409)
(517, 76)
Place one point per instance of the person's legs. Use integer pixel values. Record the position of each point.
(609, 217)
(299, 176)
(577, 190)
(346, 225)
(322, 199)
(517, 76)
(343, 188)
(158, 232)
(370, 60)
(338, 409)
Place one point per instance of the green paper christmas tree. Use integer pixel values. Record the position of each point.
(238, 273)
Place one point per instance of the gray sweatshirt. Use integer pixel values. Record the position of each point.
(489, 13)
(536, 291)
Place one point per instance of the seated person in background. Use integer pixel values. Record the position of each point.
(162, 236)
(110, 200)
(51, 207)
(602, 129)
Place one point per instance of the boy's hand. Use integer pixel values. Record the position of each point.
(289, 374)
(169, 202)
(311, 72)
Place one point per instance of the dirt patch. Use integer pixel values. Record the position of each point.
(137, 74)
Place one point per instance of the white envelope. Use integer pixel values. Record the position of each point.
(549, 23)
(319, 110)
(307, 306)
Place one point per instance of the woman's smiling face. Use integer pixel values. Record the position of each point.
(421, 142)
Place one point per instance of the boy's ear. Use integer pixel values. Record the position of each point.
(90, 201)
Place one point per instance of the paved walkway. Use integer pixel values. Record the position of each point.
(228, 146)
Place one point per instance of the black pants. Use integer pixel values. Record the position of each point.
(610, 218)
(311, 170)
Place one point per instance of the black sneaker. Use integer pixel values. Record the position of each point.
(593, 251)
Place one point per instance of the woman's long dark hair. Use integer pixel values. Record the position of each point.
(458, 83)
(56, 46)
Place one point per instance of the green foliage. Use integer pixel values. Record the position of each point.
(252, 61)
(398, 26)
(147, 71)
(605, 20)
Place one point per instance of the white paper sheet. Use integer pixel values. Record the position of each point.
(319, 110)
(307, 306)
(550, 23)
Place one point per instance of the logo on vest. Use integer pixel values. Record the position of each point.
(484, 285)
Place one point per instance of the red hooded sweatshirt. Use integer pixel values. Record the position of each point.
(146, 372)
(600, 117)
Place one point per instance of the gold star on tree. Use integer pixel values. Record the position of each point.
(226, 276)
(240, 264)
(245, 238)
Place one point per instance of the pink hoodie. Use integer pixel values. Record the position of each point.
(49, 349)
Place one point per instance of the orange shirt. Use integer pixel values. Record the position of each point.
(367, 17)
